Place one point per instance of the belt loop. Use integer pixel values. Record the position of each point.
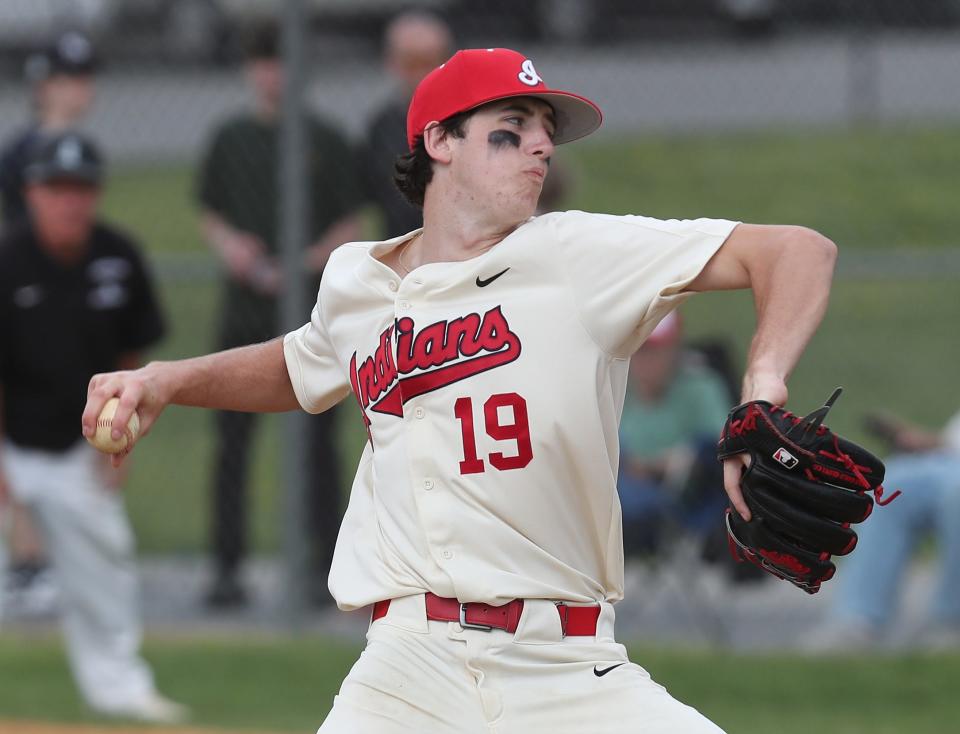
(562, 611)
(379, 610)
(514, 613)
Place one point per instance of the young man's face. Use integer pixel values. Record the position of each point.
(414, 49)
(653, 367)
(66, 97)
(265, 77)
(503, 159)
(63, 213)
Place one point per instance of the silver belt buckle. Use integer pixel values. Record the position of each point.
(562, 609)
(469, 625)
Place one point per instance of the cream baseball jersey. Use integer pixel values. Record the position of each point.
(492, 390)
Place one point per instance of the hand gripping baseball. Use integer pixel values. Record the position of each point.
(127, 399)
(805, 487)
(103, 440)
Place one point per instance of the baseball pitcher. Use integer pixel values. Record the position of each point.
(487, 355)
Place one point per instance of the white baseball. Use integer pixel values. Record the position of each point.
(102, 439)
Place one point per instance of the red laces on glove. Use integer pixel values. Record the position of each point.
(857, 472)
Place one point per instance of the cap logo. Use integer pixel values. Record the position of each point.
(69, 153)
(529, 75)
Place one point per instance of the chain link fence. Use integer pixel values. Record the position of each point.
(841, 115)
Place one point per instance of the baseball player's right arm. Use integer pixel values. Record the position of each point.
(252, 378)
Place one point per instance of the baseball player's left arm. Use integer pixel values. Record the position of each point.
(790, 270)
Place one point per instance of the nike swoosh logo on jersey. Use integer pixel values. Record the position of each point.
(484, 283)
(600, 673)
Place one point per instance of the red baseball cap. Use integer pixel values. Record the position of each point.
(476, 76)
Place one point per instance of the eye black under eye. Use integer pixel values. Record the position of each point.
(501, 138)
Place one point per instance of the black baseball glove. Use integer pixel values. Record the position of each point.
(805, 486)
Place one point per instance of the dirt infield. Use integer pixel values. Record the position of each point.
(37, 727)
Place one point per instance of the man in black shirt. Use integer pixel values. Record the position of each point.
(415, 43)
(61, 87)
(239, 196)
(75, 299)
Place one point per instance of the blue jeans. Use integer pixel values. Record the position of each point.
(869, 580)
(648, 506)
(645, 505)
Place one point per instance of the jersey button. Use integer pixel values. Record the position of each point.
(420, 412)
(447, 555)
(392, 285)
(428, 484)
(404, 305)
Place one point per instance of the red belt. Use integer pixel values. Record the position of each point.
(575, 621)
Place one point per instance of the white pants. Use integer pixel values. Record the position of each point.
(88, 537)
(424, 677)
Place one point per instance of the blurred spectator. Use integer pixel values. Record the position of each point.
(415, 43)
(61, 79)
(674, 408)
(76, 299)
(238, 191)
(61, 85)
(869, 585)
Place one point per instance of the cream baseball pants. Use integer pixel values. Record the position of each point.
(87, 534)
(424, 677)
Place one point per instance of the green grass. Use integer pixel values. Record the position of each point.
(874, 188)
(157, 204)
(252, 684)
(865, 188)
(793, 695)
(890, 342)
(288, 685)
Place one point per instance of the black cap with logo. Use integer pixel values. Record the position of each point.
(70, 54)
(66, 156)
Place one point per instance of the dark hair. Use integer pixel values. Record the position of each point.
(261, 41)
(413, 171)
